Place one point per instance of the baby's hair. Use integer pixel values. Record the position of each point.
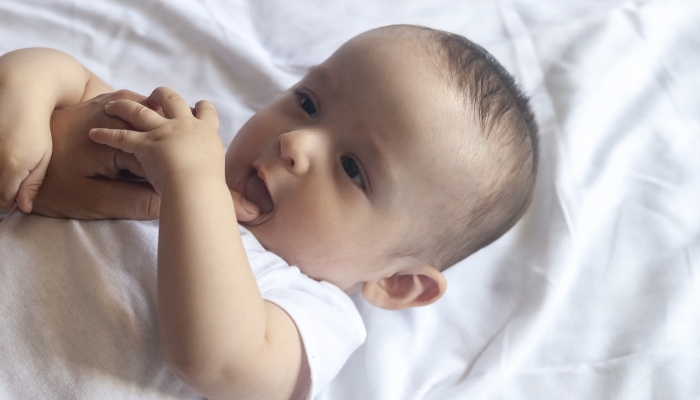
(506, 145)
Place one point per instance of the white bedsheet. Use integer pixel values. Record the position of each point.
(596, 293)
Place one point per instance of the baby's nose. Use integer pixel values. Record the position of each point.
(298, 149)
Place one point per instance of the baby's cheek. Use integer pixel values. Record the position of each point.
(232, 170)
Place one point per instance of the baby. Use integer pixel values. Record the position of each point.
(404, 152)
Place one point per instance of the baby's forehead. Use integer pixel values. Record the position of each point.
(383, 50)
(392, 75)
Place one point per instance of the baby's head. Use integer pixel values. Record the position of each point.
(404, 152)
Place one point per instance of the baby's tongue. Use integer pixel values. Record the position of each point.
(256, 192)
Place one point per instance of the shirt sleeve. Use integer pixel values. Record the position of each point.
(328, 321)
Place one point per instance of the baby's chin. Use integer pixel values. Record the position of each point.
(280, 247)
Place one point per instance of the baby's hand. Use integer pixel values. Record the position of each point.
(175, 148)
(177, 145)
(25, 152)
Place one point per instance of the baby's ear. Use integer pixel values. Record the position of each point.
(414, 287)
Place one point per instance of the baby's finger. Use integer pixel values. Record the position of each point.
(172, 104)
(121, 139)
(245, 210)
(205, 111)
(31, 184)
(138, 115)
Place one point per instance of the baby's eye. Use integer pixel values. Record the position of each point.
(353, 171)
(306, 104)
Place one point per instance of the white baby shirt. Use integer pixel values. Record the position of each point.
(78, 312)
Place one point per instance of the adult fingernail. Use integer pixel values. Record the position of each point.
(110, 103)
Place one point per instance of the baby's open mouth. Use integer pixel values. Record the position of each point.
(256, 192)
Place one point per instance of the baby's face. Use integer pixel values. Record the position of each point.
(345, 164)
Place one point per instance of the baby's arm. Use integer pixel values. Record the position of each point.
(218, 335)
(33, 82)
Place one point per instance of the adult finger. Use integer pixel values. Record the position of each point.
(139, 116)
(111, 162)
(205, 111)
(173, 104)
(30, 186)
(87, 198)
(126, 161)
(122, 94)
(245, 210)
(126, 200)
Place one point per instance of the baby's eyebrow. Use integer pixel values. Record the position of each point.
(322, 75)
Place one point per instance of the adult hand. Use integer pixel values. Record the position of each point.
(80, 180)
(86, 180)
